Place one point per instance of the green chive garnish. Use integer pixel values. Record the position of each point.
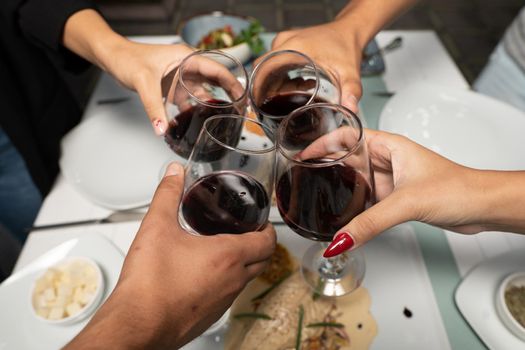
(320, 284)
(272, 287)
(326, 324)
(299, 328)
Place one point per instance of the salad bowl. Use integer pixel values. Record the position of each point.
(235, 35)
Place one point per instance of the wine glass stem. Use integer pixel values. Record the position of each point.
(332, 268)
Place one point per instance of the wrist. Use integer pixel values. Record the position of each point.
(502, 198)
(354, 31)
(142, 312)
(107, 48)
(125, 321)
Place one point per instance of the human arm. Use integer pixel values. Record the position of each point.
(414, 183)
(137, 66)
(337, 46)
(174, 285)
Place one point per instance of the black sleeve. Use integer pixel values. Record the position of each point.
(42, 23)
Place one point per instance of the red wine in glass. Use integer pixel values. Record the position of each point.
(184, 129)
(315, 202)
(275, 108)
(226, 202)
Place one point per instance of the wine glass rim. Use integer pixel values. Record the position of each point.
(347, 112)
(237, 149)
(220, 53)
(266, 58)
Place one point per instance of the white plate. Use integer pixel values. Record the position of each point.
(20, 329)
(113, 157)
(476, 298)
(396, 278)
(477, 131)
(467, 127)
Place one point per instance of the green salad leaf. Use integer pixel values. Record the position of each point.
(251, 36)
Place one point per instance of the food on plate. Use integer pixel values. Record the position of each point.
(515, 300)
(282, 306)
(279, 267)
(65, 289)
(225, 37)
(254, 127)
(286, 315)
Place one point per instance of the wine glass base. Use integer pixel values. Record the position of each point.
(332, 277)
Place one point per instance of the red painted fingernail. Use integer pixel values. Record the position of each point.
(342, 242)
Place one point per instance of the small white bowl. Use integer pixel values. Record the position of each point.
(241, 52)
(87, 309)
(514, 279)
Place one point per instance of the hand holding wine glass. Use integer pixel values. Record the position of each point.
(343, 60)
(206, 83)
(321, 185)
(229, 177)
(174, 285)
(414, 183)
(283, 81)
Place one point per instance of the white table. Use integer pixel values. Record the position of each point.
(422, 57)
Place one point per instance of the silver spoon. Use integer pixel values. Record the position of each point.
(396, 43)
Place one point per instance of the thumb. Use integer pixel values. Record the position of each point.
(391, 211)
(351, 92)
(151, 95)
(165, 203)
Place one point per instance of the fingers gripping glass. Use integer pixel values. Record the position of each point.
(286, 80)
(228, 178)
(320, 147)
(206, 83)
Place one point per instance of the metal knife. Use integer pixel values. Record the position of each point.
(115, 217)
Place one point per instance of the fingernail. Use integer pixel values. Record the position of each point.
(158, 126)
(353, 103)
(174, 169)
(298, 156)
(342, 242)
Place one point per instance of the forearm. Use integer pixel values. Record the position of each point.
(502, 199)
(88, 35)
(123, 322)
(369, 16)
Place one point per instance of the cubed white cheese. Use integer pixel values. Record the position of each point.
(43, 312)
(64, 290)
(56, 313)
(49, 294)
(73, 309)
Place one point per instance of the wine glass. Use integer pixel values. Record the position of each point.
(206, 83)
(286, 80)
(323, 180)
(228, 177)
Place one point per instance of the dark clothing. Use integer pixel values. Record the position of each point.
(36, 107)
(9, 250)
(20, 199)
